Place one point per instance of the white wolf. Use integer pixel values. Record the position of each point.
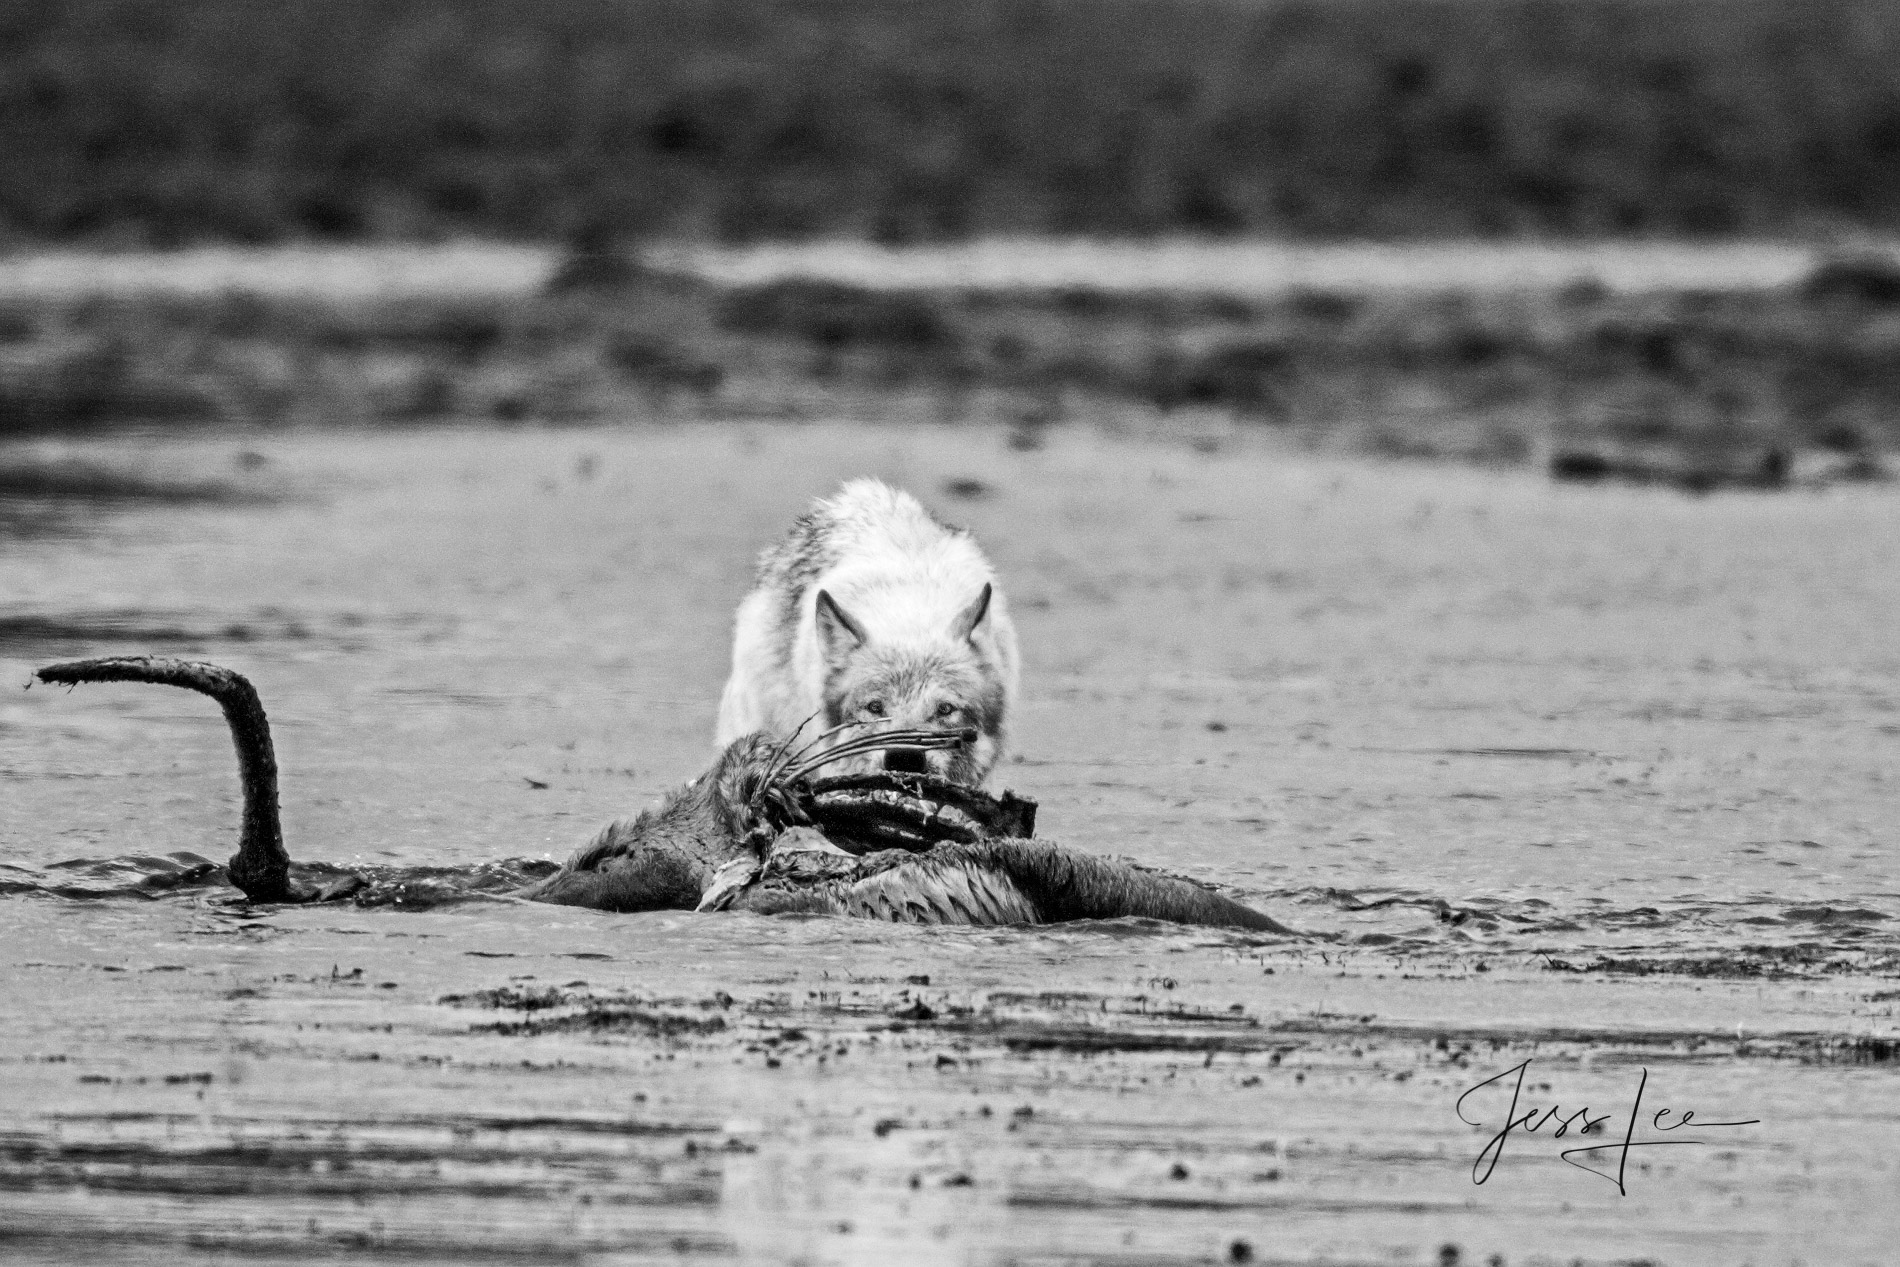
(871, 611)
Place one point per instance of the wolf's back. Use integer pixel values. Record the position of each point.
(866, 516)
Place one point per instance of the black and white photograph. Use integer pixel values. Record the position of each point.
(958, 633)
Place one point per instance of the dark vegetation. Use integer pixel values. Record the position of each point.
(152, 122)
(1699, 389)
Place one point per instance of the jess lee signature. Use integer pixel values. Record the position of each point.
(1531, 1121)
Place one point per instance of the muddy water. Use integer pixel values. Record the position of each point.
(1595, 778)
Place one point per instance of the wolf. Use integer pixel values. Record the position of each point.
(870, 611)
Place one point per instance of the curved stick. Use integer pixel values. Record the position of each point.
(261, 866)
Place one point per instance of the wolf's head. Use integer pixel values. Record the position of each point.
(944, 681)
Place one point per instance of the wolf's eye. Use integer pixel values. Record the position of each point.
(946, 708)
(874, 707)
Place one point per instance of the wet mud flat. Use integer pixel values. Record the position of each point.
(303, 1083)
(1592, 778)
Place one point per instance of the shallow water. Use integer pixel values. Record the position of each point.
(1255, 267)
(1595, 777)
(1244, 268)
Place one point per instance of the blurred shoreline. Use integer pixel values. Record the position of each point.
(1750, 365)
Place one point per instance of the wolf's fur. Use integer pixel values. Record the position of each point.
(871, 611)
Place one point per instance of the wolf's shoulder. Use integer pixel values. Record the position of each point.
(870, 508)
(863, 513)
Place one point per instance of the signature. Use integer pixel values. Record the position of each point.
(1531, 1121)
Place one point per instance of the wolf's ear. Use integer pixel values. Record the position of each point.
(971, 618)
(838, 634)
